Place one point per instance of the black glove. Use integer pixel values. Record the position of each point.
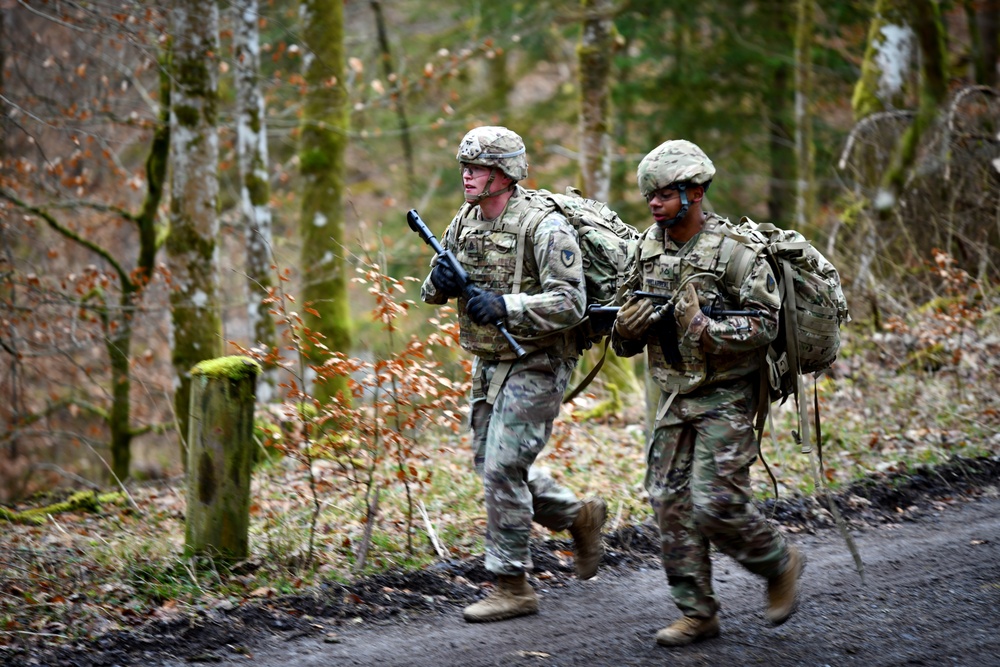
(445, 280)
(486, 308)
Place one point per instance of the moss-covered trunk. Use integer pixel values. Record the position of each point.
(220, 457)
(926, 22)
(119, 418)
(119, 337)
(594, 55)
(887, 60)
(194, 224)
(321, 160)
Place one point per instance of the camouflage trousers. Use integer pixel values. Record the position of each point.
(507, 438)
(698, 480)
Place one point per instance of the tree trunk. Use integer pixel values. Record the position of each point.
(321, 159)
(594, 55)
(394, 85)
(805, 182)
(220, 457)
(255, 190)
(194, 224)
(887, 60)
(927, 25)
(989, 29)
(119, 338)
(781, 192)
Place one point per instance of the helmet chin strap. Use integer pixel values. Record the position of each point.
(685, 204)
(486, 194)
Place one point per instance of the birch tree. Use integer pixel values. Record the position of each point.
(194, 188)
(255, 190)
(321, 161)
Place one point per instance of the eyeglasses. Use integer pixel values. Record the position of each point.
(663, 194)
(473, 170)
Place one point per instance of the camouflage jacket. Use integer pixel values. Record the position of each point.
(712, 351)
(551, 297)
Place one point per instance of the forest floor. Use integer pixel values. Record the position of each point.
(930, 542)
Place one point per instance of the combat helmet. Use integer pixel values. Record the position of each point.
(675, 164)
(494, 146)
(674, 161)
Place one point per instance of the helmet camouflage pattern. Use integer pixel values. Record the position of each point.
(494, 146)
(675, 161)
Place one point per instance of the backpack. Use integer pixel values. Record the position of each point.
(813, 308)
(607, 246)
(812, 304)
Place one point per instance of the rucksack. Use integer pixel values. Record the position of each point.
(813, 306)
(607, 245)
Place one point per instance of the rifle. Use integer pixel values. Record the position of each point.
(715, 311)
(469, 290)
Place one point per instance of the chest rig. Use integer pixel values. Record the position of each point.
(665, 270)
(489, 251)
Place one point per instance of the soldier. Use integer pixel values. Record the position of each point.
(699, 454)
(539, 290)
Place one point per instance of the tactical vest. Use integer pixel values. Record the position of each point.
(488, 251)
(704, 261)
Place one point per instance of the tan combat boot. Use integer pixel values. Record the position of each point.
(783, 590)
(512, 597)
(588, 547)
(688, 630)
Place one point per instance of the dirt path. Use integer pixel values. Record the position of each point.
(932, 598)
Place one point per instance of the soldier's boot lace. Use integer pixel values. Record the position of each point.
(687, 630)
(783, 590)
(588, 547)
(512, 597)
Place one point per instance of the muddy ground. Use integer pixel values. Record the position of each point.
(930, 542)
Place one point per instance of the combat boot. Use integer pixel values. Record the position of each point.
(512, 597)
(783, 590)
(688, 630)
(588, 547)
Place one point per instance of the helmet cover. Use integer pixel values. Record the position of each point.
(494, 146)
(674, 161)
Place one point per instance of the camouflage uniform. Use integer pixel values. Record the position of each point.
(514, 401)
(702, 446)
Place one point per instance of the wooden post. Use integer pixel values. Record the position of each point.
(220, 457)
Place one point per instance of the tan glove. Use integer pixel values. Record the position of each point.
(635, 318)
(687, 308)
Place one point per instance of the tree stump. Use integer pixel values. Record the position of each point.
(220, 457)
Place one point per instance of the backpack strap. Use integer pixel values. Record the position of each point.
(590, 376)
(539, 207)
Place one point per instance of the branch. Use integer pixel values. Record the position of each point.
(73, 236)
(863, 124)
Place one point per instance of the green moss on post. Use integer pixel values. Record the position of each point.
(220, 457)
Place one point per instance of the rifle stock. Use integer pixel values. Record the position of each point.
(469, 290)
